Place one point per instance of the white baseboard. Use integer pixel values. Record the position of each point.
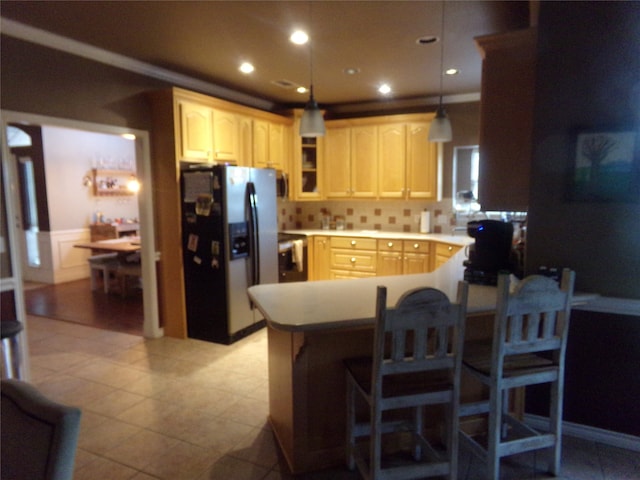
(586, 432)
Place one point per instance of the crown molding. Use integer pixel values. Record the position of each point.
(73, 47)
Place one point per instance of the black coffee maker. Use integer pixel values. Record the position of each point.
(491, 252)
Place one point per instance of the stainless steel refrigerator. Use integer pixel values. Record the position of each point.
(229, 235)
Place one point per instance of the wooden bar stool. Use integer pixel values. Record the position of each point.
(11, 348)
(528, 348)
(416, 362)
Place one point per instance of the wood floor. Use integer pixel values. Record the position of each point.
(75, 302)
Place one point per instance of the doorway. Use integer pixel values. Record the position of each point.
(18, 173)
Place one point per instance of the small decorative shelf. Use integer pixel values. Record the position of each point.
(111, 182)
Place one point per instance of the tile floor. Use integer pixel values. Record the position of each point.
(186, 409)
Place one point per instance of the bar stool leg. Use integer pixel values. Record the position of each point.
(11, 354)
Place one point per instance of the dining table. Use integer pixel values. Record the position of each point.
(122, 245)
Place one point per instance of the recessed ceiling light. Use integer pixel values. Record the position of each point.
(384, 89)
(299, 37)
(301, 89)
(451, 71)
(351, 71)
(246, 67)
(426, 40)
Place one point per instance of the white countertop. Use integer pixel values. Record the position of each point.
(460, 240)
(334, 304)
(329, 304)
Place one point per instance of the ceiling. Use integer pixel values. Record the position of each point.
(207, 40)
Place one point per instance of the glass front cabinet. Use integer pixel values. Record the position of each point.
(307, 171)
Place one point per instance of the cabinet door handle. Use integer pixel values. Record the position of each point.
(353, 259)
(450, 248)
(390, 244)
(353, 243)
(416, 246)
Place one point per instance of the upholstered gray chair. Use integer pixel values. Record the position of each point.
(39, 437)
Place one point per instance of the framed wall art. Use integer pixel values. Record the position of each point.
(606, 167)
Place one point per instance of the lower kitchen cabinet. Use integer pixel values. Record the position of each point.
(444, 251)
(353, 257)
(320, 268)
(339, 257)
(417, 256)
(390, 257)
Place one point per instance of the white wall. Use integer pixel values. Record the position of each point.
(69, 155)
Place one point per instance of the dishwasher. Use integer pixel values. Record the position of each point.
(291, 268)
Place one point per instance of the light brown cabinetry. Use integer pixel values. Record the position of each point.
(308, 165)
(337, 165)
(506, 119)
(409, 163)
(393, 152)
(268, 145)
(353, 257)
(337, 257)
(417, 256)
(351, 155)
(195, 139)
(207, 134)
(225, 136)
(401, 257)
(390, 257)
(320, 268)
(381, 157)
(423, 175)
(443, 252)
(245, 141)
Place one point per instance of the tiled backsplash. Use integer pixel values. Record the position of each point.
(393, 216)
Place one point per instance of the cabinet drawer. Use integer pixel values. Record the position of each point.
(446, 250)
(345, 275)
(353, 243)
(363, 261)
(390, 245)
(416, 246)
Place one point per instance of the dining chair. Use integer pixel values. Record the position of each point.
(528, 348)
(416, 362)
(107, 263)
(39, 437)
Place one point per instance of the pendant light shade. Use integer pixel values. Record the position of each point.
(440, 130)
(312, 122)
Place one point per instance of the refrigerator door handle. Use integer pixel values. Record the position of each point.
(254, 234)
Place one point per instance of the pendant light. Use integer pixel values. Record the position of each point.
(440, 130)
(312, 122)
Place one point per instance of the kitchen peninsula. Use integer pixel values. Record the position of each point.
(312, 327)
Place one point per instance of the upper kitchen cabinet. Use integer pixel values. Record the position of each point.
(225, 136)
(195, 139)
(409, 165)
(245, 141)
(206, 134)
(307, 165)
(350, 161)
(269, 145)
(392, 160)
(506, 119)
(423, 164)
